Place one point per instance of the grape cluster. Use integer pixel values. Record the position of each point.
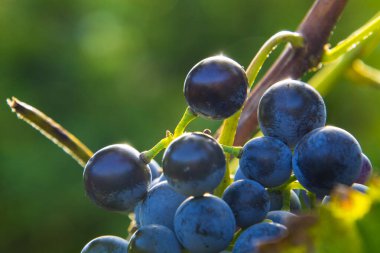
(175, 208)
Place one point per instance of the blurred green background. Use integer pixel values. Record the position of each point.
(113, 71)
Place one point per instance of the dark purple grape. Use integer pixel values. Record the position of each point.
(266, 160)
(106, 244)
(154, 239)
(194, 164)
(216, 87)
(248, 200)
(365, 170)
(263, 232)
(160, 205)
(115, 178)
(204, 224)
(326, 157)
(290, 109)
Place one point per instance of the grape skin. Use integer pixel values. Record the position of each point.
(216, 87)
(248, 200)
(266, 160)
(194, 164)
(262, 232)
(204, 224)
(115, 178)
(154, 239)
(160, 205)
(289, 109)
(326, 157)
(106, 244)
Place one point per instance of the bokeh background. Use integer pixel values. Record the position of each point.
(113, 71)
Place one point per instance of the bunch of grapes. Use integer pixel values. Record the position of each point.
(280, 174)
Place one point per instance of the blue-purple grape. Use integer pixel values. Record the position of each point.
(160, 205)
(216, 87)
(326, 157)
(106, 244)
(204, 224)
(263, 232)
(154, 239)
(115, 178)
(248, 200)
(290, 109)
(194, 164)
(266, 160)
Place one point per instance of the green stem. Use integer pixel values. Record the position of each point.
(353, 40)
(235, 151)
(285, 185)
(366, 73)
(254, 67)
(52, 130)
(148, 155)
(187, 117)
(227, 137)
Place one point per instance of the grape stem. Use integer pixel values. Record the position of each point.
(187, 117)
(235, 151)
(148, 155)
(369, 74)
(52, 130)
(352, 41)
(294, 38)
(285, 185)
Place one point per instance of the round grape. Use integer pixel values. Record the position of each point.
(154, 239)
(204, 224)
(248, 200)
(266, 160)
(115, 178)
(106, 244)
(160, 205)
(262, 232)
(326, 157)
(290, 109)
(194, 164)
(216, 87)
